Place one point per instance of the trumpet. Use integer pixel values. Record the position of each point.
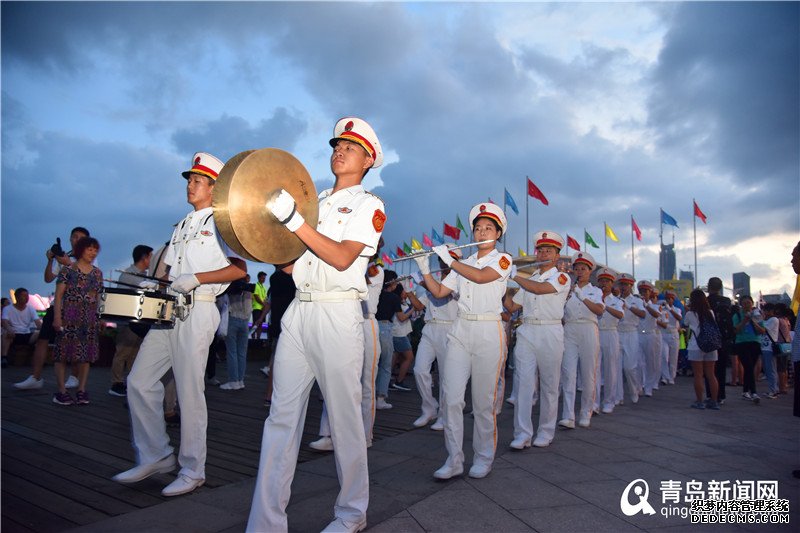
(425, 253)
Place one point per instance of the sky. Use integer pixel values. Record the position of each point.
(614, 110)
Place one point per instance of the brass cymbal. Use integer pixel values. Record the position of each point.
(245, 184)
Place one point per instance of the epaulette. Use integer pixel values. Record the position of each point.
(375, 195)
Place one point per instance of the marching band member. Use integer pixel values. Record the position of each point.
(581, 343)
(649, 340)
(669, 338)
(540, 342)
(628, 329)
(322, 335)
(440, 314)
(476, 346)
(609, 341)
(200, 267)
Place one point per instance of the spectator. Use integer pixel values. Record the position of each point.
(785, 316)
(240, 305)
(259, 299)
(748, 344)
(796, 347)
(281, 293)
(20, 322)
(401, 329)
(702, 362)
(723, 313)
(770, 334)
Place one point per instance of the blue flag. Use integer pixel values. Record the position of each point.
(393, 256)
(668, 220)
(511, 203)
(436, 237)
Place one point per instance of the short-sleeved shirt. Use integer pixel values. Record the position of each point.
(240, 305)
(261, 292)
(444, 309)
(630, 322)
(575, 309)
(748, 333)
(196, 246)
(401, 328)
(672, 322)
(545, 306)
(772, 325)
(609, 321)
(481, 298)
(22, 322)
(692, 321)
(350, 214)
(649, 322)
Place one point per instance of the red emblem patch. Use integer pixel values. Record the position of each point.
(482, 208)
(544, 235)
(504, 262)
(206, 233)
(349, 126)
(345, 210)
(197, 160)
(562, 279)
(378, 220)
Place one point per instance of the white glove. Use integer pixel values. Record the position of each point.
(424, 264)
(284, 208)
(513, 272)
(149, 285)
(417, 277)
(185, 283)
(578, 292)
(444, 254)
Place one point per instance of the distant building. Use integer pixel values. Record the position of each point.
(666, 262)
(741, 284)
(688, 275)
(777, 298)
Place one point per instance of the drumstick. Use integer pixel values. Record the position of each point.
(123, 283)
(144, 276)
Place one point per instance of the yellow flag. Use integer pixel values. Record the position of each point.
(610, 233)
(796, 298)
(522, 253)
(415, 245)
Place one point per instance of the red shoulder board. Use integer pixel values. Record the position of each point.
(504, 262)
(378, 220)
(562, 279)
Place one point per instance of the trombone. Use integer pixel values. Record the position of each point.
(424, 253)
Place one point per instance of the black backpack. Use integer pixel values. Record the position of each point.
(723, 313)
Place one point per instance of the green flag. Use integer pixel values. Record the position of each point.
(589, 240)
(406, 248)
(459, 225)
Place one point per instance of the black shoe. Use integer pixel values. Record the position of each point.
(118, 389)
(399, 385)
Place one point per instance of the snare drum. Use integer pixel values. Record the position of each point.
(136, 305)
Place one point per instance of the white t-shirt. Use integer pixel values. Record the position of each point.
(22, 322)
(772, 326)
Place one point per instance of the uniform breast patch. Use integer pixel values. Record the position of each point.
(562, 279)
(504, 262)
(206, 233)
(378, 220)
(345, 210)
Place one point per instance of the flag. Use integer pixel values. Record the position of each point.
(459, 225)
(427, 241)
(522, 253)
(699, 213)
(610, 233)
(415, 245)
(636, 230)
(400, 252)
(393, 255)
(589, 240)
(451, 231)
(511, 203)
(386, 259)
(668, 220)
(572, 243)
(406, 248)
(534, 191)
(436, 236)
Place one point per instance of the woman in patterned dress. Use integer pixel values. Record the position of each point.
(75, 320)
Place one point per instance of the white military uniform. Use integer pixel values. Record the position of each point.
(539, 349)
(581, 345)
(322, 338)
(650, 350)
(476, 348)
(195, 247)
(372, 352)
(628, 329)
(440, 315)
(670, 343)
(611, 365)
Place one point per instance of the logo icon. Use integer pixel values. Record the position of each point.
(640, 489)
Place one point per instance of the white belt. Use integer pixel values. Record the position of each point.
(627, 330)
(537, 322)
(438, 321)
(333, 296)
(581, 321)
(204, 298)
(479, 316)
(369, 316)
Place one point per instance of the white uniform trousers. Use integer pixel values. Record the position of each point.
(611, 366)
(475, 349)
(322, 341)
(369, 371)
(432, 346)
(184, 348)
(539, 350)
(669, 355)
(650, 360)
(581, 343)
(629, 344)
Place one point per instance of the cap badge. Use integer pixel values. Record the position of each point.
(482, 208)
(349, 126)
(544, 235)
(197, 160)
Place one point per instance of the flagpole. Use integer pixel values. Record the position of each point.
(505, 235)
(605, 239)
(585, 246)
(527, 220)
(661, 241)
(694, 230)
(633, 253)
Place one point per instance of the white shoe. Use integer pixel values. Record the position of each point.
(340, 525)
(541, 442)
(231, 385)
(183, 484)
(381, 403)
(30, 383)
(325, 444)
(239, 385)
(520, 443)
(584, 422)
(448, 471)
(423, 421)
(438, 425)
(566, 423)
(479, 471)
(607, 410)
(265, 371)
(71, 383)
(140, 472)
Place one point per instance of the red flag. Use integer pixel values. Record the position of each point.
(451, 231)
(699, 213)
(572, 243)
(400, 252)
(636, 230)
(427, 241)
(534, 191)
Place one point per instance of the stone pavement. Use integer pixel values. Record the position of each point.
(575, 484)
